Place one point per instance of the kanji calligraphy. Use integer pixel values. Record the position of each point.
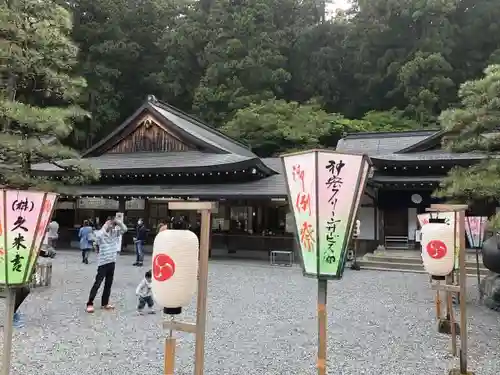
(16, 263)
(334, 183)
(307, 236)
(24, 215)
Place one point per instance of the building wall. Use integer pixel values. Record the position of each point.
(366, 216)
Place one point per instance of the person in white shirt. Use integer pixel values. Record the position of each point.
(52, 233)
(108, 239)
(145, 294)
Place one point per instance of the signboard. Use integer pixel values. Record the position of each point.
(135, 204)
(474, 227)
(23, 223)
(449, 219)
(97, 204)
(325, 188)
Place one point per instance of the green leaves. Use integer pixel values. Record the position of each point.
(473, 127)
(275, 126)
(37, 106)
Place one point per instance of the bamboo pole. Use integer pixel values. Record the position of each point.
(322, 324)
(463, 291)
(8, 330)
(169, 355)
(201, 310)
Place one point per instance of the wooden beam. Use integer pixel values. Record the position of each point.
(445, 287)
(447, 207)
(186, 205)
(179, 326)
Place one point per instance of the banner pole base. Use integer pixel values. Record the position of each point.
(322, 292)
(8, 330)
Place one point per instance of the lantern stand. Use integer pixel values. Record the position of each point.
(8, 329)
(198, 329)
(459, 211)
(476, 241)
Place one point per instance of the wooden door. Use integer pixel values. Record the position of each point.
(396, 221)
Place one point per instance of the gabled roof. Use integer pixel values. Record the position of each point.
(425, 144)
(410, 147)
(172, 162)
(380, 143)
(189, 127)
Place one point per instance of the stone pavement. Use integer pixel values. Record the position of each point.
(262, 320)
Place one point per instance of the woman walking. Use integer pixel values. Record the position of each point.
(86, 240)
(108, 239)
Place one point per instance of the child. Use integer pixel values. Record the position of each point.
(145, 295)
(86, 235)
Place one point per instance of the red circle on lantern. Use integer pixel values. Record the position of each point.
(436, 249)
(163, 267)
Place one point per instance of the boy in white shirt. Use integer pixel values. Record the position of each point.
(145, 294)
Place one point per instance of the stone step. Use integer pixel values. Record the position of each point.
(382, 265)
(470, 262)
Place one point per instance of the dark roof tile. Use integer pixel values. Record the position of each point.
(267, 187)
(383, 142)
(155, 160)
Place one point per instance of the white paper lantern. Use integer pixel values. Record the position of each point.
(438, 253)
(174, 268)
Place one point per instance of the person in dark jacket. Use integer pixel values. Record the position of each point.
(139, 240)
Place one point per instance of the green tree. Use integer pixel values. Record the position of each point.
(473, 128)
(246, 54)
(37, 103)
(275, 126)
(388, 121)
(426, 84)
(120, 58)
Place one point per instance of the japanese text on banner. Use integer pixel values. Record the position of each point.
(303, 207)
(334, 183)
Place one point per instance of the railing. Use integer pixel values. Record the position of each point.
(234, 242)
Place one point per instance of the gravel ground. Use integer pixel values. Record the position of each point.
(262, 320)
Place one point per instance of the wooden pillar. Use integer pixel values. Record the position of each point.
(122, 205)
(146, 213)
(381, 231)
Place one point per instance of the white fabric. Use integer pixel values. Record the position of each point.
(53, 229)
(144, 289)
(182, 247)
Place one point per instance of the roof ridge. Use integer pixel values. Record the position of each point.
(195, 120)
(390, 133)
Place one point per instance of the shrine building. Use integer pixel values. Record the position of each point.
(160, 154)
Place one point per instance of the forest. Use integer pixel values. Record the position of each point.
(276, 74)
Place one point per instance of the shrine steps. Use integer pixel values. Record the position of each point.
(409, 262)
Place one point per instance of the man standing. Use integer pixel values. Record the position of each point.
(108, 240)
(139, 240)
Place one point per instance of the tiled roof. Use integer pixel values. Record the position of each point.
(405, 179)
(430, 155)
(157, 160)
(276, 164)
(199, 130)
(270, 187)
(382, 142)
(194, 130)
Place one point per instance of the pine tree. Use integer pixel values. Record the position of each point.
(38, 96)
(474, 128)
